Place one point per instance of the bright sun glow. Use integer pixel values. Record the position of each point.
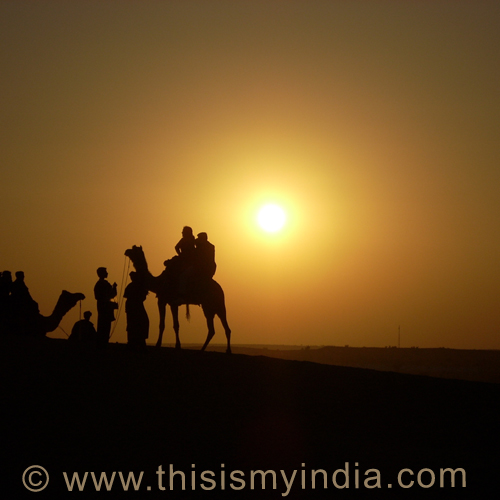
(271, 218)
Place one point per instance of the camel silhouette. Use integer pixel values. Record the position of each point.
(34, 324)
(209, 296)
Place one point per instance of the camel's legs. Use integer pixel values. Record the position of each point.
(175, 316)
(162, 309)
(211, 330)
(223, 320)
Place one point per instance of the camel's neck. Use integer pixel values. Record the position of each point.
(66, 302)
(141, 266)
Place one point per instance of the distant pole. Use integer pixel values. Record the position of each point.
(399, 336)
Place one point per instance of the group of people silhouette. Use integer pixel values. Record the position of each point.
(196, 261)
(17, 307)
(193, 264)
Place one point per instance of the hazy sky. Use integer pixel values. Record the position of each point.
(375, 124)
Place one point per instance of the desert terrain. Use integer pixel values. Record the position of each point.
(479, 365)
(71, 410)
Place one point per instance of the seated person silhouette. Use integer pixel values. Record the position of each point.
(185, 248)
(83, 330)
(204, 257)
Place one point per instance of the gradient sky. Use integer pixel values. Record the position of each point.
(375, 124)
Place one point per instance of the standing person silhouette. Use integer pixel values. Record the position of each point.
(23, 308)
(5, 302)
(137, 317)
(104, 292)
(21, 299)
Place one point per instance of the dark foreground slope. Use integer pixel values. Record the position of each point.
(479, 365)
(70, 410)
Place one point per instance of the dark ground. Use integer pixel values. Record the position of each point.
(69, 409)
(479, 365)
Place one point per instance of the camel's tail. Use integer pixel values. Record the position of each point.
(188, 314)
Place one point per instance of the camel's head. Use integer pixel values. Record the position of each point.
(131, 253)
(136, 255)
(67, 301)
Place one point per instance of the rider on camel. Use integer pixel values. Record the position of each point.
(205, 257)
(185, 249)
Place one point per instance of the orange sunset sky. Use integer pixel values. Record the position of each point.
(374, 124)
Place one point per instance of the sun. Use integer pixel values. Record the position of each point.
(271, 218)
